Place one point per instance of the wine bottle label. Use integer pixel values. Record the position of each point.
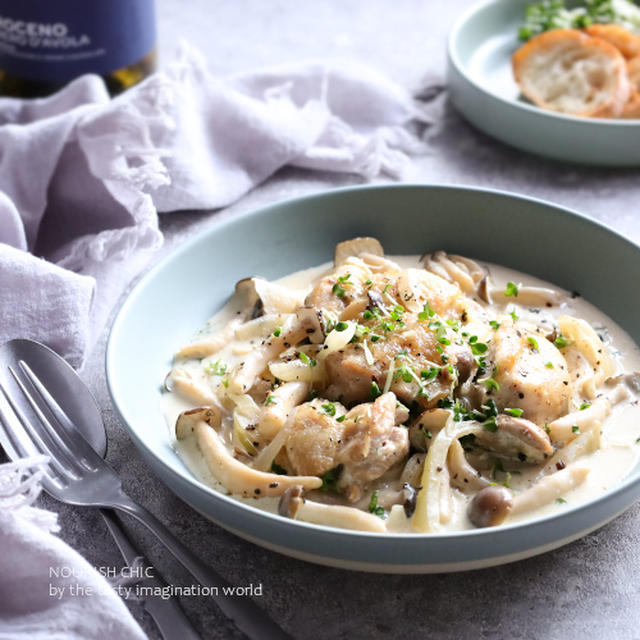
(57, 40)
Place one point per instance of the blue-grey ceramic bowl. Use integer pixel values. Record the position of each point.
(174, 299)
(482, 88)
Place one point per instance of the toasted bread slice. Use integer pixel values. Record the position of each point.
(632, 108)
(568, 71)
(626, 42)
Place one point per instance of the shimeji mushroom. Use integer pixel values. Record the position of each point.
(236, 477)
(261, 296)
(516, 438)
(293, 505)
(490, 506)
(282, 401)
(187, 420)
(180, 380)
(355, 247)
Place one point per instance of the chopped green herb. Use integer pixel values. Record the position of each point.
(341, 419)
(511, 290)
(516, 413)
(329, 408)
(368, 283)
(374, 391)
(491, 384)
(562, 342)
(387, 287)
(330, 479)
(277, 332)
(533, 342)
(637, 439)
(276, 468)
(225, 382)
(549, 365)
(514, 315)
(217, 368)
(375, 337)
(490, 424)
(546, 428)
(311, 395)
(374, 507)
(561, 501)
(429, 374)
(341, 326)
(306, 359)
(338, 290)
(478, 348)
(575, 429)
(585, 405)
(494, 324)
(270, 400)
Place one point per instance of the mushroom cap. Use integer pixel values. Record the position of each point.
(290, 501)
(187, 420)
(490, 506)
(355, 247)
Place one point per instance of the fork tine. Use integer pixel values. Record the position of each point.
(14, 439)
(47, 445)
(75, 446)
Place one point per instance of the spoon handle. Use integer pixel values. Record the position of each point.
(246, 615)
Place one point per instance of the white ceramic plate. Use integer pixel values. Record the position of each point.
(482, 88)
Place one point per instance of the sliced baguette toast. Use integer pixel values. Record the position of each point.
(632, 108)
(568, 71)
(626, 42)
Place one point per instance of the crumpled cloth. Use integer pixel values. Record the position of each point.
(83, 177)
(47, 590)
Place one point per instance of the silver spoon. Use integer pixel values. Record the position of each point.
(46, 408)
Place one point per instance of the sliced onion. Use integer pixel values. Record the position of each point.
(337, 340)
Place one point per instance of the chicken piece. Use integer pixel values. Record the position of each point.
(413, 349)
(371, 444)
(365, 445)
(532, 374)
(343, 286)
(315, 438)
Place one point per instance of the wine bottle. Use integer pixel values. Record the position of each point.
(44, 44)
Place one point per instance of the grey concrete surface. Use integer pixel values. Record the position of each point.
(588, 589)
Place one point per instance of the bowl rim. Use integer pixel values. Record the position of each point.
(460, 68)
(186, 476)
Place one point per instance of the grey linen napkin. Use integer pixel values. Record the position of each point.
(83, 177)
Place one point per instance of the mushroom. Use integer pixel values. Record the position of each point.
(180, 380)
(187, 420)
(355, 247)
(311, 322)
(490, 506)
(293, 505)
(516, 438)
(261, 296)
(238, 478)
(410, 497)
(208, 346)
(484, 291)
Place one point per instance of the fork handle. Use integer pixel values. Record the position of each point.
(243, 611)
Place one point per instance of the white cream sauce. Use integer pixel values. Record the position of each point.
(616, 457)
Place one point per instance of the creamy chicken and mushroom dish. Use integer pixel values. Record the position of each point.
(407, 394)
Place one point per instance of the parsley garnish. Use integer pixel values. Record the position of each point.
(513, 315)
(277, 332)
(329, 408)
(562, 342)
(374, 507)
(549, 365)
(516, 413)
(426, 313)
(585, 405)
(561, 501)
(217, 368)
(306, 359)
(341, 419)
(491, 384)
(330, 478)
(575, 429)
(494, 324)
(374, 391)
(270, 400)
(533, 342)
(511, 290)
(429, 374)
(341, 326)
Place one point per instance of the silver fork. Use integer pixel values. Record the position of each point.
(78, 475)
